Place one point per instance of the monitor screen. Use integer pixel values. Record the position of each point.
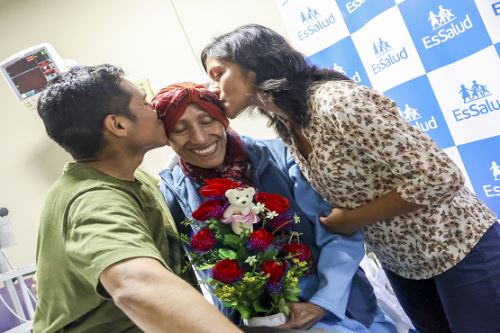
(30, 73)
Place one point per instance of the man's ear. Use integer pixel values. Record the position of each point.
(116, 125)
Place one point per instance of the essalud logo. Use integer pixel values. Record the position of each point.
(477, 101)
(445, 26)
(356, 77)
(411, 116)
(313, 22)
(386, 56)
(492, 190)
(354, 5)
(309, 15)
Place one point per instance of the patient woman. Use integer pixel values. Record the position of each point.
(337, 296)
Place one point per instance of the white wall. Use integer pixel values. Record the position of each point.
(148, 38)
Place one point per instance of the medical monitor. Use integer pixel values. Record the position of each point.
(28, 71)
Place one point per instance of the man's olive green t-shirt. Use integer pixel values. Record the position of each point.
(91, 221)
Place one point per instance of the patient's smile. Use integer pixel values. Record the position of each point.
(206, 151)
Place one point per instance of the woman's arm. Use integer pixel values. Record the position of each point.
(422, 174)
(347, 221)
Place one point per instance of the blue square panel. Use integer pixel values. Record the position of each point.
(482, 161)
(343, 58)
(357, 12)
(444, 31)
(419, 107)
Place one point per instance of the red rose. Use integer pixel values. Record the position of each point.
(227, 271)
(203, 241)
(210, 209)
(298, 250)
(273, 202)
(259, 240)
(217, 187)
(275, 269)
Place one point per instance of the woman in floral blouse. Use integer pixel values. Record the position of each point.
(439, 244)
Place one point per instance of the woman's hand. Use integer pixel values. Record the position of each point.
(303, 315)
(338, 222)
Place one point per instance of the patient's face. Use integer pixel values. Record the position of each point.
(198, 138)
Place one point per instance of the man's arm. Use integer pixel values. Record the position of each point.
(157, 300)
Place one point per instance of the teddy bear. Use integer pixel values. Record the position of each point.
(241, 212)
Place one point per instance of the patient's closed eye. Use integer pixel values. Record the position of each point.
(179, 129)
(207, 120)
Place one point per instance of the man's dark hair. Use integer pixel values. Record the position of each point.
(73, 107)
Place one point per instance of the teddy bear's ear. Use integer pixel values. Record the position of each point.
(229, 192)
(251, 190)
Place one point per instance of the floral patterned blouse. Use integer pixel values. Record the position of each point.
(361, 150)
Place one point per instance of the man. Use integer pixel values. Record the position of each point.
(107, 257)
(336, 297)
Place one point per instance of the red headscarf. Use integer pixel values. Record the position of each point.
(171, 102)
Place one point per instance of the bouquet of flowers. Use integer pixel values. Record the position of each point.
(248, 241)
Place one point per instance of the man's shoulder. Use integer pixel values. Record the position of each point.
(146, 178)
(93, 187)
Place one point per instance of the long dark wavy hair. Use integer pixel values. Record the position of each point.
(281, 71)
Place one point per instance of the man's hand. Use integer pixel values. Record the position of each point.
(303, 315)
(338, 222)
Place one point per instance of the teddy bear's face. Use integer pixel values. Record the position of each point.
(241, 197)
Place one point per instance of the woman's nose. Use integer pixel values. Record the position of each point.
(214, 87)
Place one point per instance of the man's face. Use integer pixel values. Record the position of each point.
(146, 131)
(198, 138)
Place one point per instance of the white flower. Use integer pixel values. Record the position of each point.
(252, 260)
(258, 208)
(296, 219)
(271, 215)
(295, 234)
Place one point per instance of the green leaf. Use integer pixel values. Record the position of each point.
(244, 311)
(243, 253)
(259, 307)
(227, 254)
(270, 254)
(233, 240)
(285, 310)
(203, 267)
(187, 222)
